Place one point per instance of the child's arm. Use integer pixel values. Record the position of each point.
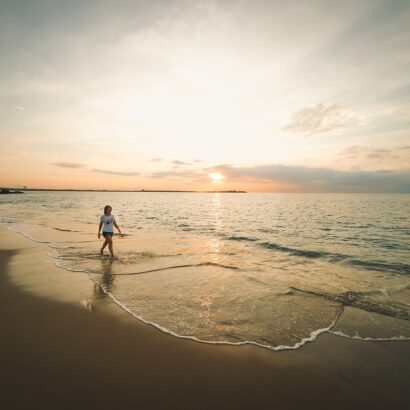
(115, 224)
(99, 228)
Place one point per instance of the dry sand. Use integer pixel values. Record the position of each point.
(62, 350)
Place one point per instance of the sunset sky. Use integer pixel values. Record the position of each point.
(260, 95)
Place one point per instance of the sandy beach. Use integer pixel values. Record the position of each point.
(59, 351)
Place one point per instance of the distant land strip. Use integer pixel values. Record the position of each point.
(20, 190)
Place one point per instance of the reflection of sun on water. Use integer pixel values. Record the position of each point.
(214, 243)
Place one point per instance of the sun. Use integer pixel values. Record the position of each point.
(216, 176)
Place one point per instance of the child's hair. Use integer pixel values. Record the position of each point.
(106, 209)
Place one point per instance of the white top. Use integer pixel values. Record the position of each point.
(108, 221)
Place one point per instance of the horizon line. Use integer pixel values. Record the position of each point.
(22, 190)
(118, 190)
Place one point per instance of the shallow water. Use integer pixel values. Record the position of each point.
(270, 269)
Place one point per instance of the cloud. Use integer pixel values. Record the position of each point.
(322, 118)
(125, 174)
(18, 107)
(156, 159)
(69, 165)
(300, 178)
(321, 179)
(184, 174)
(177, 162)
(360, 151)
(197, 160)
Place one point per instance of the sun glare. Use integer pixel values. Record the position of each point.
(216, 176)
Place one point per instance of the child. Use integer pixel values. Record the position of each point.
(106, 222)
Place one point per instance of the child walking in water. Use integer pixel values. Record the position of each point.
(107, 222)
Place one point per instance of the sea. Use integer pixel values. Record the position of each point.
(272, 270)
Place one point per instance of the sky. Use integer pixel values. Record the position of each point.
(263, 96)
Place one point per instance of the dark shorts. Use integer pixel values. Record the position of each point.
(105, 234)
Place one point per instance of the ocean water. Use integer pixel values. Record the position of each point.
(275, 270)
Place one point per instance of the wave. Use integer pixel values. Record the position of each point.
(347, 299)
(51, 244)
(57, 245)
(370, 339)
(63, 230)
(309, 339)
(181, 266)
(26, 235)
(313, 335)
(193, 265)
(294, 251)
(401, 268)
(398, 268)
(241, 238)
(358, 300)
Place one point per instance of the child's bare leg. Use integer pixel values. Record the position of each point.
(104, 245)
(110, 246)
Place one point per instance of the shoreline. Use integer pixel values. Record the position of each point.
(60, 353)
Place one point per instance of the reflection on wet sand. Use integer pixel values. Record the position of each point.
(103, 283)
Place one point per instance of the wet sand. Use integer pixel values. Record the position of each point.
(62, 350)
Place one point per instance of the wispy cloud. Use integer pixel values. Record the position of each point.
(156, 159)
(322, 118)
(363, 151)
(18, 107)
(193, 175)
(125, 174)
(69, 165)
(177, 162)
